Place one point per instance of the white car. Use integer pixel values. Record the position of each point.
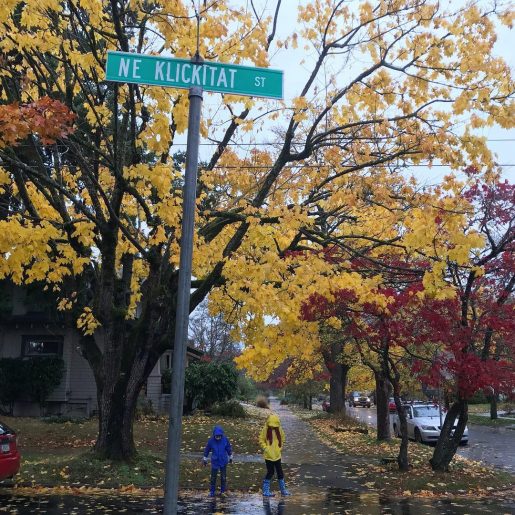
(424, 423)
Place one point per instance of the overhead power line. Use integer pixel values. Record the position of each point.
(264, 167)
(262, 144)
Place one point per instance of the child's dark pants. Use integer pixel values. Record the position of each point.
(272, 466)
(223, 478)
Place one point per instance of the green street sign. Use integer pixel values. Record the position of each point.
(181, 73)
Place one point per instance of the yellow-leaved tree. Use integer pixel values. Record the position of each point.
(388, 84)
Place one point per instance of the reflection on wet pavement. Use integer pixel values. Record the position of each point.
(330, 501)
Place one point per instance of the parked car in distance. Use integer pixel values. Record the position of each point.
(392, 408)
(424, 423)
(360, 399)
(326, 406)
(9, 454)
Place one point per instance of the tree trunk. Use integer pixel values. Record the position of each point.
(338, 379)
(115, 438)
(447, 401)
(402, 458)
(493, 406)
(383, 414)
(119, 383)
(448, 442)
(389, 370)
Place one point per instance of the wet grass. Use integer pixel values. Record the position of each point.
(487, 421)
(59, 453)
(150, 433)
(464, 476)
(35, 433)
(146, 471)
(485, 407)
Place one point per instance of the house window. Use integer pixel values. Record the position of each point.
(42, 346)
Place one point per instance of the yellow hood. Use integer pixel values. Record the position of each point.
(273, 421)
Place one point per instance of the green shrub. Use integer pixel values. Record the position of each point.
(144, 407)
(35, 378)
(209, 383)
(166, 381)
(246, 388)
(479, 398)
(12, 381)
(63, 419)
(262, 402)
(230, 408)
(44, 376)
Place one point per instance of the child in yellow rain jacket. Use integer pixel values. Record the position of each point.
(272, 440)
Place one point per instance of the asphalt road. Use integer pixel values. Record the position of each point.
(492, 445)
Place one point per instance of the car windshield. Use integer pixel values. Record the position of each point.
(426, 411)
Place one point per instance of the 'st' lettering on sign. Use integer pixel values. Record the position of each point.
(181, 73)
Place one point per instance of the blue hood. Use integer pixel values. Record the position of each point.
(218, 431)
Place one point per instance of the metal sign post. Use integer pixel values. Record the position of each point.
(183, 305)
(197, 76)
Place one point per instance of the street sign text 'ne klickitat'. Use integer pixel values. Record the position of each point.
(182, 73)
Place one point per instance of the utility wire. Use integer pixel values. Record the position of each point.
(262, 144)
(263, 167)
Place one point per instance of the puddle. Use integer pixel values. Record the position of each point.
(329, 501)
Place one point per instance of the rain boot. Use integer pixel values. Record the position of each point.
(266, 488)
(282, 486)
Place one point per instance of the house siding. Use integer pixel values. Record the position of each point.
(77, 393)
(82, 399)
(154, 386)
(11, 346)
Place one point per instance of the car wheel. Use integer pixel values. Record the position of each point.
(418, 436)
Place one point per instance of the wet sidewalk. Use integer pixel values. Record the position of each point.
(315, 465)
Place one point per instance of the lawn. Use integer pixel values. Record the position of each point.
(464, 477)
(149, 433)
(59, 453)
(485, 408)
(147, 471)
(487, 421)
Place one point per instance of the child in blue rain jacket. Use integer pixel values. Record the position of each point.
(221, 454)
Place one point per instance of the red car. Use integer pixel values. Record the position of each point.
(9, 454)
